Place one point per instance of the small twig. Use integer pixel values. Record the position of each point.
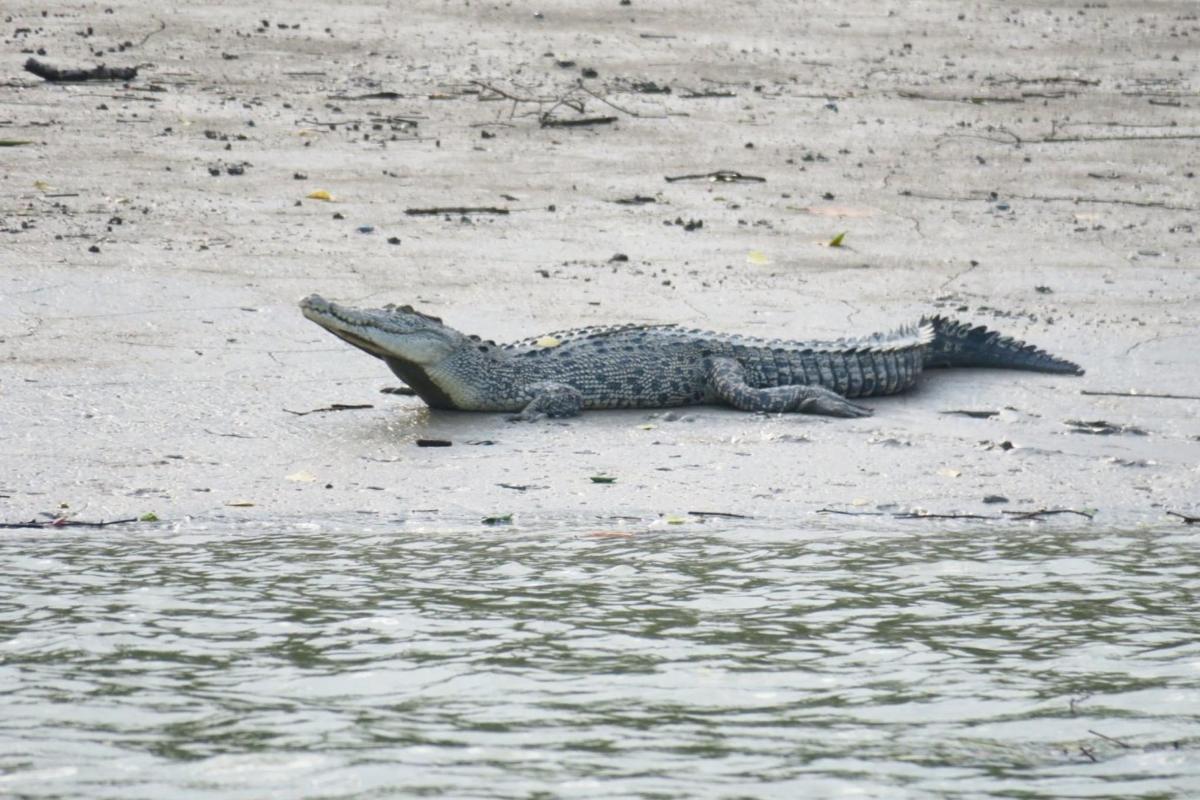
(613, 105)
(719, 176)
(1140, 394)
(368, 96)
(1051, 79)
(547, 122)
(1186, 519)
(62, 522)
(432, 212)
(922, 515)
(1046, 512)
(1077, 700)
(332, 407)
(1110, 739)
(1089, 754)
(990, 196)
(100, 73)
(850, 513)
(723, 514)
(162, 26)
(1075, 139)
(694, 95)
(508, 96)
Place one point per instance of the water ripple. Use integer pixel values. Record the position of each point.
(303, 661)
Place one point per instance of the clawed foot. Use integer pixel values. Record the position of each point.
(832, 405)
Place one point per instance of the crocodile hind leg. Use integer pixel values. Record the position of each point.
(550, 399)
(727, 379)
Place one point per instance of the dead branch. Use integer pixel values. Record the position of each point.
(547, 122)
(63, 522)
(162, 26)
(1186, 519)
(100, 73)
(1110, 739)
(433, 212)
(923, 515)
(722, 514)
(977, 196)
(332, 407)
(1046, 512)
(1140, 394)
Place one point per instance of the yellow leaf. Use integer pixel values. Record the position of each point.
(674, 520)
(548, 341)
(646, 427)
(949, 473)
(239, 503)
(303, 476)
(837, 240)
(757, 257)
(319, 194)
(42, 186)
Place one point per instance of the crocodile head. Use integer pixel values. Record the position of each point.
(393, 333)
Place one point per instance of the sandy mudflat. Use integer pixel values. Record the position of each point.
(1026, 165)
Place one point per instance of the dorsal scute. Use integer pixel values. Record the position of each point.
(570, 335)
(900, 339)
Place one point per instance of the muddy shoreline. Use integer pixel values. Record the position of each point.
(1029, 168)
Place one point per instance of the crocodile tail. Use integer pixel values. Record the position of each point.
(958, 344)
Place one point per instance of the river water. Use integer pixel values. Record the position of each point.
(703, 660)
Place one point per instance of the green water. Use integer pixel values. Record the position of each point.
(705, 661)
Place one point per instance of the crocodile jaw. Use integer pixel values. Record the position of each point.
(387, 333)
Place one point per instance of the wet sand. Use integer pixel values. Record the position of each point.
(1031, 168)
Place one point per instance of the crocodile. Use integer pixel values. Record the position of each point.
(658, 366)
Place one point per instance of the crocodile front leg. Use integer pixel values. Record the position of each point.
(727, 379)
(550, 399)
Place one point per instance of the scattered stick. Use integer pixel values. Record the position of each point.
(1186, 519)
(611, 104)
(547, 122)
(100, 73)
(1130, 138)
(923, 515)
(1110, 739)
(1140, 394)
(433, 212)
(162, 26)
(636, 200)
(691, 95)
(722, 514)
(333, 407)
(1046, 512)
(850, 513)
(368, 96)
(405, 391)
(720, 176)
(62, 522)
(1050, 79)
(1047, 198)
